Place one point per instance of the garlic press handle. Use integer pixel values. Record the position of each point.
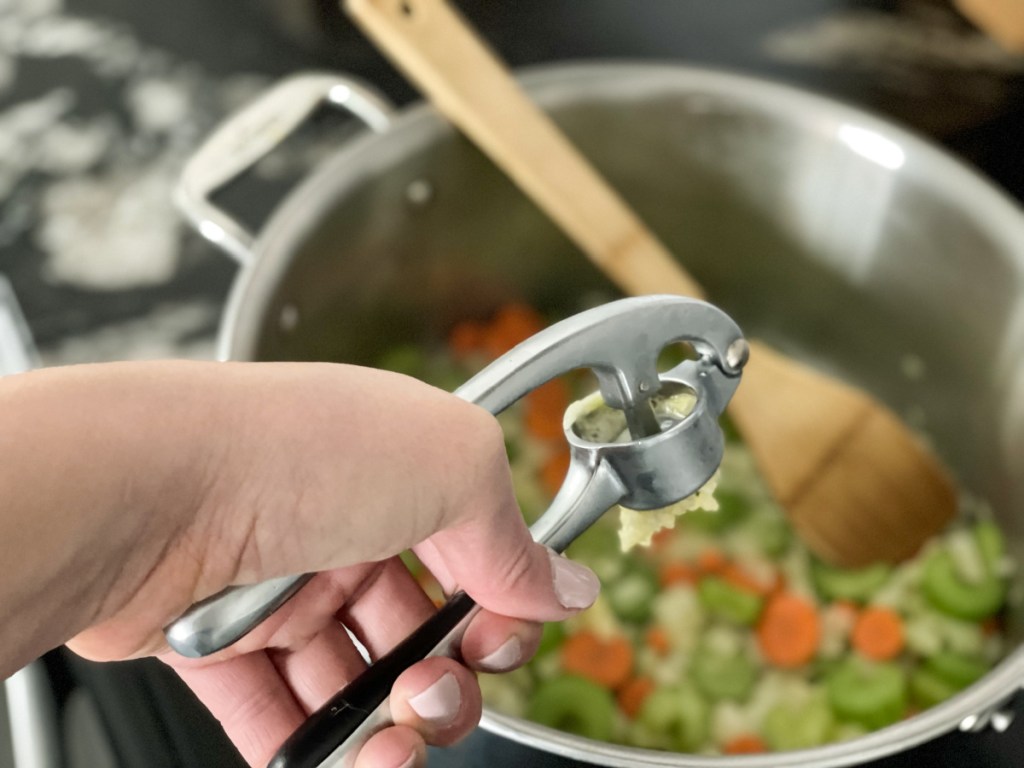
(332, 736)
(619, 341)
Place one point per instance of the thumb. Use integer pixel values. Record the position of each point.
(492, 557)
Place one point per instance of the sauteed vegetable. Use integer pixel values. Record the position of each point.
(726, 635)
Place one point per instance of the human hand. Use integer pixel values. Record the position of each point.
(337, 469)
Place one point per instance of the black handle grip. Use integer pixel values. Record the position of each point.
(335, 722)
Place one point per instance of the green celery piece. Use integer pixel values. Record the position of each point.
(729, 677)
(945, 590)
(868, 693)
(855, 584)
(631, 595)
(957, 669)
(722, 599)
(798, 726)
(575, 705)
(928, 689)
(679, 714)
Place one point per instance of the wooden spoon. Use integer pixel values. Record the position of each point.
(857, 485)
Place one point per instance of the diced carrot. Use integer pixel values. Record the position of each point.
(878, 633)
(742, 580)
(607, 662)
(466, 339)
(632, 694)
(789, 630)
(748, 744)
(990, 626)
(544, 409)
(711, 561)
(661, 539)
(657, 639)
(553, 471)
(512, 324)
(677, 572)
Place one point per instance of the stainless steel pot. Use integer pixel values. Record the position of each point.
(835, 235)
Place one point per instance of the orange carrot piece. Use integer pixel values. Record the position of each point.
(711, 562)
(661, 539)
(743, 580)
(512, 324)
(789, 631)
(632, 694)
(658, 640)
(677, 573)
(545, 408)
(878, 633)
(990, 626)
(553, 472)
(466, 339)
(748, 744)
(607, 662)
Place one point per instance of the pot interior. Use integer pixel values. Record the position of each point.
(834, 236)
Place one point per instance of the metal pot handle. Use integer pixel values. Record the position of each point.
(31, 709)
(255, 131)
(17, 349)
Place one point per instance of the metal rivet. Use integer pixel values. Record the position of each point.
(419, 192)
(288, 320)
(644, 386)
(737, 354)
(1002, 720)
(969, 723)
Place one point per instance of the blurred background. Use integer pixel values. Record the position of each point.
(102, 101)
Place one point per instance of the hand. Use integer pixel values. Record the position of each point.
(337, 469)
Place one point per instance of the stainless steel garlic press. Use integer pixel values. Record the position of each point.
(661, 462)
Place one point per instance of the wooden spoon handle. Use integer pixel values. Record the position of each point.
(437, 50)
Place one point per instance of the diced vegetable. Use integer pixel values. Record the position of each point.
(575, 705)
(728, 676)
(725, 635)
(607, 662)
(857, 585)
(750, 744)
(868, 693)
(798, 726)
(633, 694)
(928, 689)
(957, 669)
(632, 595)
(789, 631)
(678, 716)
(878, 633)
(951, 594)
(722, 599)
(551, 638)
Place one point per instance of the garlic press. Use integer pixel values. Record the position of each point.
(659, 461)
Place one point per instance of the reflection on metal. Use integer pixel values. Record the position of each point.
(33, 718)
(17, 351)
(872, 146)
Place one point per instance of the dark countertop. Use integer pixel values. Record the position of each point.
(101, 102)
(103, 265)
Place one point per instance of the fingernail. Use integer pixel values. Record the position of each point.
(438, 704)
(410, 762)
(505, 657)
(576, 586)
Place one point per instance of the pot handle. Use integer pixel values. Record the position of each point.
(255, 131)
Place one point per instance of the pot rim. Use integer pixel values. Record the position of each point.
(552, 85)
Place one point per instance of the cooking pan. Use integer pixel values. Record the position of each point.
(837, 236)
